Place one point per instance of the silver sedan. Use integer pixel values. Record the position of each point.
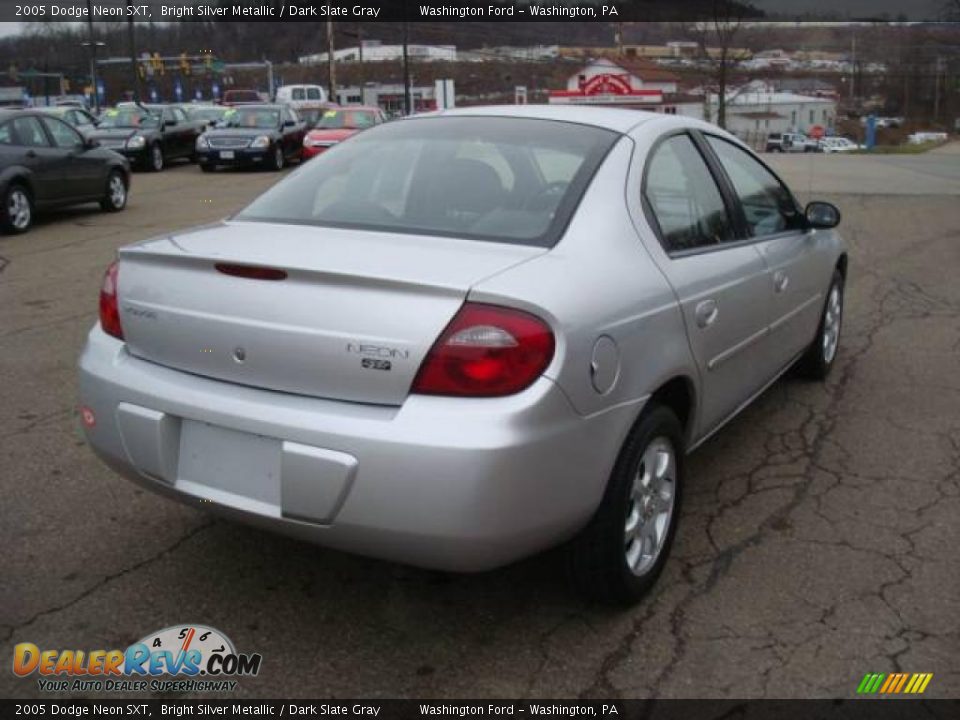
(458, 339)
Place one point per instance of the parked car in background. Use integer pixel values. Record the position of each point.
(790, 142)
(837, 145)
(241, 97)
(334, 126)
(265, 136)
(209, 115)
(311, 113)
(46, 163)
(301, 95)
(444, 344)
(79, 118)
(149, 135)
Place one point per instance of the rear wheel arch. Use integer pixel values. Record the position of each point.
(678, 394)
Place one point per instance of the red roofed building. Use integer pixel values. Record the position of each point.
(624, 82)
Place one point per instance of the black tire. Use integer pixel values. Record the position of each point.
(278, 159)
(208, 167)
(598, 555)
(22, 221)
(817, 361)
(115, 201)
(155, 160)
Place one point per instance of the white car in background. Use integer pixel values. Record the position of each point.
(837, 145)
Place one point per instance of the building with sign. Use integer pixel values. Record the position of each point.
(625, 83)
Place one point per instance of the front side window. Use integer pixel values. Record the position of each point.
(30, 133)
(63, 135)
(298, 94)
(313, 93)
(767, 204)
(466, 177)
(6, 134)
(684, 197)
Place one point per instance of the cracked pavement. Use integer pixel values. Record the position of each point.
(817, 543)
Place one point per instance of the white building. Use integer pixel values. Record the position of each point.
(752, 110)
(375, 51)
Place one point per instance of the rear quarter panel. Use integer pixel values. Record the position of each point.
(597, 281)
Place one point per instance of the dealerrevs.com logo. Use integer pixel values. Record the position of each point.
(180, 658)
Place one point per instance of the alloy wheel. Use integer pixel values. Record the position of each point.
(651, 504)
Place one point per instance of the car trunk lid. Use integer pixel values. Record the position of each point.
(351, 319)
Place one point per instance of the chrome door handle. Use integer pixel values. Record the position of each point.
(706, 313)
(780, 281)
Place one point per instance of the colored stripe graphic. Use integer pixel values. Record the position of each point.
(894, 683)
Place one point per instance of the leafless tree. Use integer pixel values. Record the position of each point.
(718, 34)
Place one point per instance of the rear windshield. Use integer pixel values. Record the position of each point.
(346, 119)
(512, 180)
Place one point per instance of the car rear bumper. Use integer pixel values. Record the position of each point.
(437, 482)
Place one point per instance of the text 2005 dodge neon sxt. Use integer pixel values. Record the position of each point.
(458, 339)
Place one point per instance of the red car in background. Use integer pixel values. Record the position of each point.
(336, 125)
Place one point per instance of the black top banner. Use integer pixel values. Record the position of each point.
(447, 10)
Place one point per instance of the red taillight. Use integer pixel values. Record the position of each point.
(486, 351)
(109, 305)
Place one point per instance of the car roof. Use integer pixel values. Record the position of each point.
(620, 120)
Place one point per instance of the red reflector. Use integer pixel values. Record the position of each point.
(251, 272)
(109, 304)
(486, 351)
(87, 416)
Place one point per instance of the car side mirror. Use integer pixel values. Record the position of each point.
(90, 143)
(822, 215)
(288, 123)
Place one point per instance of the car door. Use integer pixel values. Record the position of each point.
(84, 174)
(718, 276)
(35, 151)
(793, 253)
(173, 133)
(190, 130)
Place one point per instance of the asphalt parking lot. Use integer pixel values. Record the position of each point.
(818, 541)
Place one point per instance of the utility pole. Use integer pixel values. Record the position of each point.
(93, 59)
(406, 65)
(363, 77)
(853, 64)
(936, 88)
(131, 40)
(331, 72)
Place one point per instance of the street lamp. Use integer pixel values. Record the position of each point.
(93, 45)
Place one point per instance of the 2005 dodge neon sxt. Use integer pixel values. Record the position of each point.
(461, 338)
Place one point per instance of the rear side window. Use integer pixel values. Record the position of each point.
(299, 94)
(29, 132)
(313, 93)
(684, 197)
(767, 204)
(63, 135)
(465, 177)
